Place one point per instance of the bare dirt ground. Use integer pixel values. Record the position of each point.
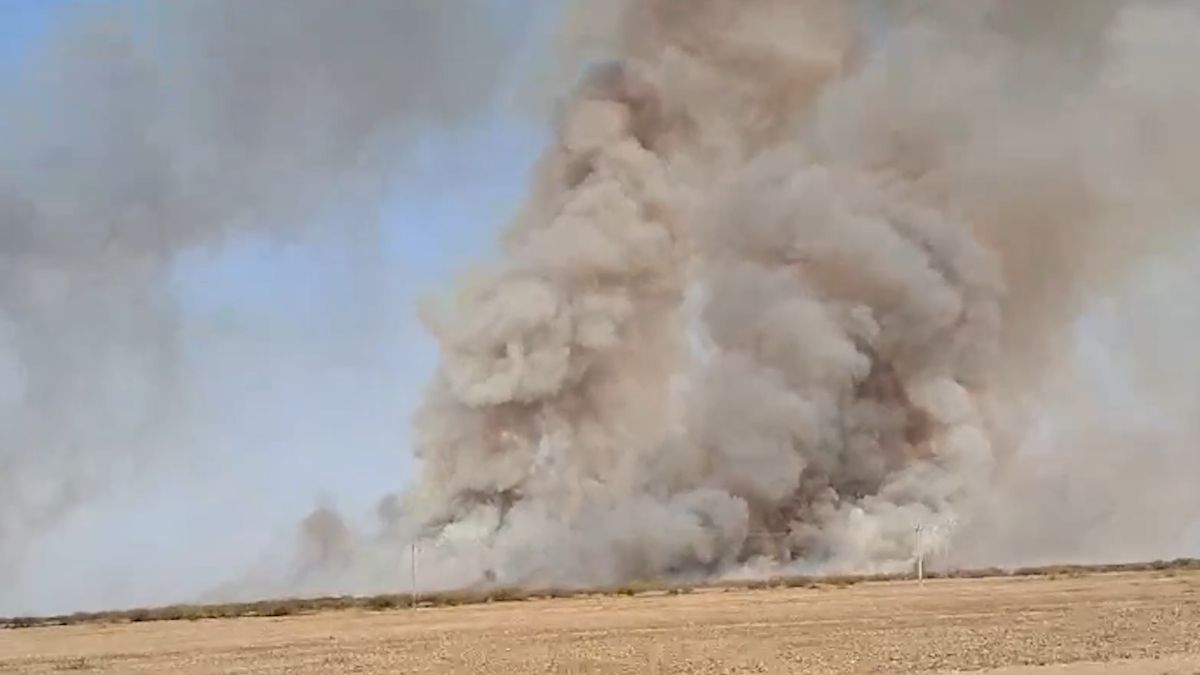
(1127, 624)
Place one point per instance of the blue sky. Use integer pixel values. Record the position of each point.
(338, 362)
(22, 23)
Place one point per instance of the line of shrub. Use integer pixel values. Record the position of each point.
(379, 603)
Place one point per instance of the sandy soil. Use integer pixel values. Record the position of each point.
(1126, 624)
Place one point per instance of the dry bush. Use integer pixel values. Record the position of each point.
(799, 582)
(553, 593)
(636, 588)
(983, 573)
(387, 602)
(510, 594)
(381, 603)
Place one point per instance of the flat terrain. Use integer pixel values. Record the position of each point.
(1123, 623)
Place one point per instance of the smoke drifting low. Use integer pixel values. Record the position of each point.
(144, 130)
(889, 247)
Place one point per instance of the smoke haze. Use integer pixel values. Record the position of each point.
(792, 278)
(141, 133)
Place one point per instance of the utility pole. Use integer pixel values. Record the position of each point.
(413, 566)
(920, 556)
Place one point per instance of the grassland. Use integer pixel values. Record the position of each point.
(1141, 619)
(299, 606)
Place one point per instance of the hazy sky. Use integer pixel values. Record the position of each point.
(311, 359)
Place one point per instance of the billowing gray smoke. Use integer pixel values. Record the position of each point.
(148, 129)
(888, 248)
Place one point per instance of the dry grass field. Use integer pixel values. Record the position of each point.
(1145, 622)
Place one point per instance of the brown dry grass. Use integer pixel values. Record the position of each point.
(1065, 622)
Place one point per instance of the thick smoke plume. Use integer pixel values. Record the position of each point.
(145, 130)
(888, 227)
